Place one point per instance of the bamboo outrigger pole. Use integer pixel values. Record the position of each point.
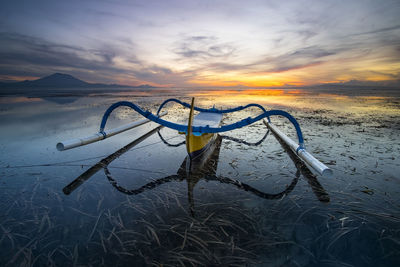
(317, 165)
(64, 145)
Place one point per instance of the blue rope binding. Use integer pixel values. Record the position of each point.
(205, 129)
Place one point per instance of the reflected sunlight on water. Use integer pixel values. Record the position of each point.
(301, 99)
(22, 99)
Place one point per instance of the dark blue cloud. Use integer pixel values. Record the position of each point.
(18, 50)
(381, 30)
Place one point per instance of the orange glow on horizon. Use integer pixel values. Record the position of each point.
(336, 70)
(248, 81)
(19, 78)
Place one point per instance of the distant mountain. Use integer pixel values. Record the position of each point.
(60, 80)
(145, 86)
(356, 84)
(57, 80)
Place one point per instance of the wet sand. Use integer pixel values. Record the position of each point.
(249, 204)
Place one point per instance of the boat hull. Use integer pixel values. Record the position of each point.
(196, 145)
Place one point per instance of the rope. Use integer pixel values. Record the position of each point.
(65, 163)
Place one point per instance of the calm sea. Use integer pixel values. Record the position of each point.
(250, 202)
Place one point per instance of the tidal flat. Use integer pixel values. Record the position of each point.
(252, 203)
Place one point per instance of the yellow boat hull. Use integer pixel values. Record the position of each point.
(195, 145)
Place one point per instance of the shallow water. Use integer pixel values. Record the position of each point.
(247, 205)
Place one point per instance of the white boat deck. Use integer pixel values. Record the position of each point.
(204, 119)
(207, 118)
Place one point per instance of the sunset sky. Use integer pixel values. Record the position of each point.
(202, 43)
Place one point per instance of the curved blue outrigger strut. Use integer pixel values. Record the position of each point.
(212, 110)
(205, 129)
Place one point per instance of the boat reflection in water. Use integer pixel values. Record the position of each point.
(205, 167)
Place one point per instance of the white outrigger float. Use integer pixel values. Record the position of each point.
(201, 130)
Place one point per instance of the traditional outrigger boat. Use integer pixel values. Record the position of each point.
(202, 167)
(201, 130)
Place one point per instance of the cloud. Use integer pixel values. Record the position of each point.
(17, 50)
(203, 47)
(306, 34)
(301, 58)
(386, 29)
(164, 76)
(23, 55)
(310, 52)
